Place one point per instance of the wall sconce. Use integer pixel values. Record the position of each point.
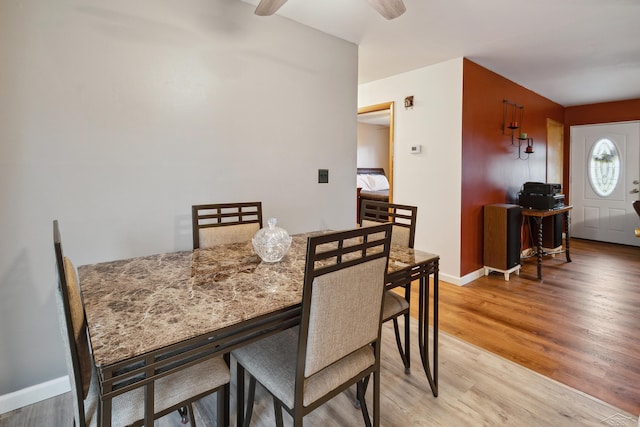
(529, 149)
(512, 119)
(522, 140)
(408, 102)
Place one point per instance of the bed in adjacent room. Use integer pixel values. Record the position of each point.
(372, 184)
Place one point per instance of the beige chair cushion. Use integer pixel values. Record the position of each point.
(394, 304)
(221, 235)
(399, 236)
(79, 325)
(338, 298)
(272, 361)
(168, 391)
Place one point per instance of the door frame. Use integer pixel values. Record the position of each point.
(555, 152)
(383, 107)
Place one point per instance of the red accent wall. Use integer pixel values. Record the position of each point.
(491, 170)
(606, 112)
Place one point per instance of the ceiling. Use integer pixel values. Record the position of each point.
(573, 52)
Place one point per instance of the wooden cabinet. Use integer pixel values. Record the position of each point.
(502, 223)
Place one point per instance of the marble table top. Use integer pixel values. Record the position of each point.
(138, 305)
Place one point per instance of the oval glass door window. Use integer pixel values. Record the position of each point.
(604, 167)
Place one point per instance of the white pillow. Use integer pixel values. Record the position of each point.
(363, 182)
(378, 182)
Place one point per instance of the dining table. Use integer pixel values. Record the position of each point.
(151, 316)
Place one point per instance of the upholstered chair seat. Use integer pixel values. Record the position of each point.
(393, 304)
(403, 218)
(337, 342)
(170, 392)
(272, 361)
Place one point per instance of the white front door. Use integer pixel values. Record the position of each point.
(605, 176)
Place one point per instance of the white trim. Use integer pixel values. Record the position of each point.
(461, 281)
(471, 277)
(449, 279)
(33, 394)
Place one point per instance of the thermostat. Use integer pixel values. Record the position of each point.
(416, 149)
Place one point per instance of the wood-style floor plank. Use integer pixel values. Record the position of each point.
(579, 325)
(476, 388)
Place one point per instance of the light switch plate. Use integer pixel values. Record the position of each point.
(323, 176)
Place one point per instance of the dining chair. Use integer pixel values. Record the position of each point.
(403, 218)
(221, 223)
(171, 392)
(337, 342)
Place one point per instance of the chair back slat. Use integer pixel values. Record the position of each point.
(403, 218)
(222, 223)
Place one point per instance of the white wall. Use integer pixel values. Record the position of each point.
(373, 146)
(430, 180)
(116, 117)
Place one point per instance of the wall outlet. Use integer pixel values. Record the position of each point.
(323, 176)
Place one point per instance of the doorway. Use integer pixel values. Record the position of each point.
(375, 139)
(605, 180)
(555, 150)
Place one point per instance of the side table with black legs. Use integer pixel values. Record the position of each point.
(538, 215)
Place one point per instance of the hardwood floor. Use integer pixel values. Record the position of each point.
(579, 326)
(476, 388)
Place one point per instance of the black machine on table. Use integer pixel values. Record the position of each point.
(541, 195)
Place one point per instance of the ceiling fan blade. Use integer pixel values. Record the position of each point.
(269, 7)
(390, 9)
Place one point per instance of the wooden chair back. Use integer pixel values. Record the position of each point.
(74, 328)
(345, 276)
(221, 223)
(403, 218)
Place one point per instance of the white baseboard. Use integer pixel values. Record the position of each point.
(449, 279)
(34, 394)
(461, 281)
(471, 277)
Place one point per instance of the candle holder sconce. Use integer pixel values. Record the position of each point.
(512, 119)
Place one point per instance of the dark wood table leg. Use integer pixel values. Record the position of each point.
(538, 221)
(567, 228)
(423, 329)
(436, 310)
(407, 331)
(104, 404)
(102, 420)
(149, 406)
(226, 395)
(149, 392)
(239, 395)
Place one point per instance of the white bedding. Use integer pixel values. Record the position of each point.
(371, 182)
